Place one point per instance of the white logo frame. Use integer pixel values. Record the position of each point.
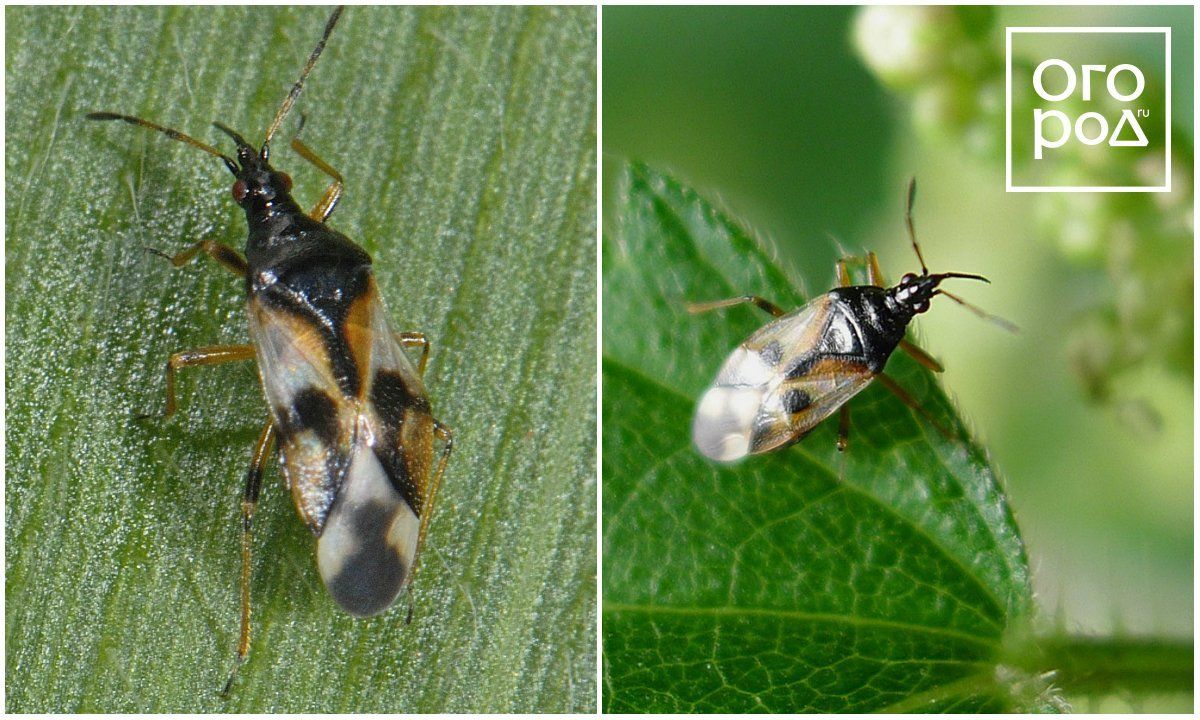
(1008, 178)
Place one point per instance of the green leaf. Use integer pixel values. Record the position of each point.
(886, 578)
(467, 140)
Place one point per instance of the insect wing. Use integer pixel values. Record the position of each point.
(369, 547)
(728, 414)
(759, 402)
(358, 478)
(795, 406)
(316, 423)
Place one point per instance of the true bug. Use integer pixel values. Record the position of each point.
(799, 369)
(348, 410)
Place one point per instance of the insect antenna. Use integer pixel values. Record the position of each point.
(169, 132)
(965, 276)
(241, 141)
(995, 319)
(908, 220)
(290, 100)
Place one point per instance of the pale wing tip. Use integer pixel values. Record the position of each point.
(365, 556)
(724, 422)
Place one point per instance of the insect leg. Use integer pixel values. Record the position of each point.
(427, 502)
(920, 356)
(843, 273)
(258, 461)
(228, 257)
(324, 208)
(909, 400)
(210, 355)
(715, 304)
(843, 428)
(874, 274)
(413, 339)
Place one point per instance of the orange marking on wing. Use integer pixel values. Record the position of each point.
(831, 367)
(300, 335)
(416, 437)
(359, 337)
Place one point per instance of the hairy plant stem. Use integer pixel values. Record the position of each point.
(1091, 665)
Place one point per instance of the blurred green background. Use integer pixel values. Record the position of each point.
(773, 112)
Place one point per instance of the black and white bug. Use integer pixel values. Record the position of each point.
(348, 409)
(799, 369)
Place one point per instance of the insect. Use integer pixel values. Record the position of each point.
(349, 415)
(800, 368)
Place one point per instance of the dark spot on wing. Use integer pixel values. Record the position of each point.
(795, 400)
(802, 366)
(393, 400)
(771, 353)
(373, 575)
(391, 397)
(311, 410)
(391, 457)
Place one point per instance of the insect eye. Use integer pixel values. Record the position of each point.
(908, 279)
(921, 306)
(285, 181)
(239, 191)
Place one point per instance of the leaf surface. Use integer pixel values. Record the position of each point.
(467, 140)
(884, 578)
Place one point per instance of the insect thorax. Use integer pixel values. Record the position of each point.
(878, 321)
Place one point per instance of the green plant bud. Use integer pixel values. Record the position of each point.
(905, 45)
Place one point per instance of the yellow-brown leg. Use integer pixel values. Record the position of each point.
(324, 208)
(843, 428)
(768, 306)
(909, 400)
(874, 274)
(427, 502)
(843, 273)
(211, 355)
(415, 339)
(921, 356)
(229, 258)
(262, 452)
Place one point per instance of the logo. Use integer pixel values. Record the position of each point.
(1088, 109)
